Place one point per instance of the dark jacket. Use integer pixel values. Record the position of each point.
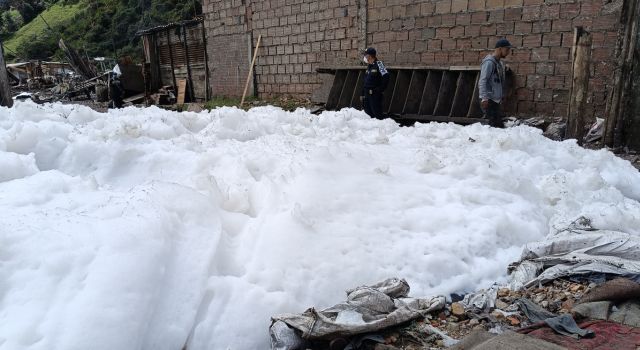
(376, 78)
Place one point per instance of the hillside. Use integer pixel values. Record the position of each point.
(54, 17)
(98, 27)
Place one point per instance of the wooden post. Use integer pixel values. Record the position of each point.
(622, 92)
(253, 62)
(581, 55)
(5, 91)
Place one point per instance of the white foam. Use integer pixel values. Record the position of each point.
(148, 229)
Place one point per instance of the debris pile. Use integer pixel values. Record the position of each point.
(579, 286)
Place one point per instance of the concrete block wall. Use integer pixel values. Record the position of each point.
(300, 36)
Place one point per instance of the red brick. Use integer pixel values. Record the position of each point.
(521, 55)
(605, 22)
(488, 29)
(545, 68)
(540, 54)
(456, 57)
(479, 43)
(552, 39)
(442, 33)
(532, 40)
(427, 57)
(570, 10)
(555, 82)
(561, 96)
(472, 31)
(506, 28)
(441, 57)
(449, 20)
(427, 8)
(550, 11)
(590, 8)
(567, 39)
(514, 3)
(435, 45)
(522, 28)
(448, 45)
(435, 21)
(463, 44)
(479, 17)
(545, 108)
(535, 81)
(463, 19)
(524, 94)
(525, 107)
(562, 25)
(496, 16)
(541, 27)
(601, 54)
(526, 68)
(543, 95)
(456, 32)
(559, 53)
(494, 4)
(563, 69)
(533, 2)
(513, 14)
(475, 5)
(531, 13)
(459, 5)
(443, 6)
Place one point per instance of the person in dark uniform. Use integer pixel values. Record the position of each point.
(375, 82)
(116, 91)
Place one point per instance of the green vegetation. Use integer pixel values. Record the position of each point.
(95, 27)
(38, 31)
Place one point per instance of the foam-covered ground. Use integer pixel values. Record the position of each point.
(148, 229)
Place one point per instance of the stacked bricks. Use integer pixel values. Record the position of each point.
(300, 36)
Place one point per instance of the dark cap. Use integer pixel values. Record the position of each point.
(503, 43)
(370, 51)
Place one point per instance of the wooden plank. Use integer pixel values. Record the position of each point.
(581, 54)
(182, 89)
(474, 109)
(336, 90)
(434, 118)
(357, 92)
(388, 94)
(5, 91)
(399, 96)
(445, 95)
(430, 93)
(414, 95)
(464, 94)
(348, 88)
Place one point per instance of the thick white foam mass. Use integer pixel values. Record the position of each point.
(149, 229)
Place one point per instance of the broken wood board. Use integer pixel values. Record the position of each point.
(182, 88)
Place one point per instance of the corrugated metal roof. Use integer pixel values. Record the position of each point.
(188, 23)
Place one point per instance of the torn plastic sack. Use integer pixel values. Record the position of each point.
(595, 131)
(573, 252)
(563, 324)
(481, 301)
(627, 313)
(367, 309)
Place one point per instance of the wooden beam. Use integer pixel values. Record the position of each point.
(581, 54)
(253, 62)
(5, 91)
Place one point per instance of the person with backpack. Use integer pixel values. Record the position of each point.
(491, 85)
(376, 80)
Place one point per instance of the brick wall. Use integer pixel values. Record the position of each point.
(300, 36)
(227, 46)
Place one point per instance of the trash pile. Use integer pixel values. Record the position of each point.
(579, 289)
